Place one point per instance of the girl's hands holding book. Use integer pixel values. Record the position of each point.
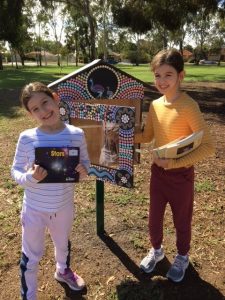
(38, 172)
(82, 171)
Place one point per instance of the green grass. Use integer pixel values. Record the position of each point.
(205, 73)
(205, 186)
(126, 217)
(193, 72)
(141, 72)
(137, 240)
(16, 78)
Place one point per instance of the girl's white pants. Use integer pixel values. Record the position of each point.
(34, 225)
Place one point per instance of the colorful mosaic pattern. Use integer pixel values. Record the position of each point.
(125, 118)
(101, 82)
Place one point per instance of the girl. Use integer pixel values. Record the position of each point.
(170, 117)
(46, 205)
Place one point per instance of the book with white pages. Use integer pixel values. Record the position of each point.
(179, 147)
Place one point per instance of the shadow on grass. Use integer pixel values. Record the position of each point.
(156, 286)
(9, 102)
(162, 289)
(73, 295)
(211, 100)
(123, 257)
(206, 78)
(17, 78)
(13, 80)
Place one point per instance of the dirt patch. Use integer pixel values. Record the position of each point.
(210, 96)
(110, 263)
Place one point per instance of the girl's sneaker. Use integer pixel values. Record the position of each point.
(149, 262)
(177, 270)
(74, 281)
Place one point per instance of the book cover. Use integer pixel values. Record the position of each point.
(60, 163)
(179, 147)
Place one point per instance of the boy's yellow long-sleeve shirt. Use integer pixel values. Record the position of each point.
(169, 121)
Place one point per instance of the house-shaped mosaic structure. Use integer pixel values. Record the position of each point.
(101, 93)
(98, 80)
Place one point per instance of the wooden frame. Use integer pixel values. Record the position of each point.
(95, 117)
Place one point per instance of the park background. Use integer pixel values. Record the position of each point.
(110, 30)
(77, 31)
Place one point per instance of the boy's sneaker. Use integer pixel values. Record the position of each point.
(177, 270)
(74, 281)
(149, 262)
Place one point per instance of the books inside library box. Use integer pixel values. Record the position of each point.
(60, 163)
(179, 147)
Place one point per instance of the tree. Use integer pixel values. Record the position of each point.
(10, 21)
(41, 22)
(131, 14)
(77, 34)
(200, 30)
(84, 6)
(2, 50)
(44, 18)
(103, 15)
(216, 39)
(23, 39)
(53, 13)
(140, 15)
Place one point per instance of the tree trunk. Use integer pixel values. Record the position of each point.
(36, 57)
(165, 41)
(40, 59)
(1, 63)
(22, 59)
(45, 58)
(11, 53)
(76, 49)
(105, 37)
(17, 67)
(58, 60)
(91, 22)
(219, 61)
(137, 53)
(181, 46)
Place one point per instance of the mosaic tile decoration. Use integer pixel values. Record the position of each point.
(102, 81)
(123, 116)
(99, 80)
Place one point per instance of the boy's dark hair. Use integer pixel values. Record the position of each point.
(171, 57)
(31, 88)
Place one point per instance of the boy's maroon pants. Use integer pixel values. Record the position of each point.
(176, 187)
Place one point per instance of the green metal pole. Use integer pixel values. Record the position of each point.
(100, 206)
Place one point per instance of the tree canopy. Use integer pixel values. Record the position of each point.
(140, 15)
(95, 28)
(11, 19)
